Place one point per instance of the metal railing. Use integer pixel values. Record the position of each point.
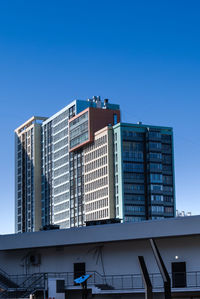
(4, 273)
(128, 281)
(26, 285)
(29, 283)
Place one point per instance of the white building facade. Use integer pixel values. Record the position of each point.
(110, 254)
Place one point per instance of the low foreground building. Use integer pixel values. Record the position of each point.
(45, 263)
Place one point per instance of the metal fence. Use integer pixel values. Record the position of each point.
(128, 281)
(117, 282)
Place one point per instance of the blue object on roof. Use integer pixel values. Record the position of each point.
(82, 278)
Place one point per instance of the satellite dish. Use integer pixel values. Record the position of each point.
(82, 279)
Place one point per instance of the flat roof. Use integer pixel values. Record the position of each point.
(174, 227)
(141, 125)
(30, 122)
(73, 102)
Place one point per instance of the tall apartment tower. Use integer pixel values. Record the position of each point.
(55, 165)
(87, 178)
(63, 137)
(82, 165)
(144, 172)
(28, 175)
(82, 138)
(99, 177)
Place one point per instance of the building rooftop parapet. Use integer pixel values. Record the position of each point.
(29, 122)
(140, 125)
(174, 227)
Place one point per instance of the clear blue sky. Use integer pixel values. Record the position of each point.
(143, 55)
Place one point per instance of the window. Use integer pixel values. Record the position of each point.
(157, 209)
(154, 135)
(167, 180)
(134, 219)
(133, 156)
(155, 167)
(155, 156)
(169, 210)
(156, 198)
(133, 197)
(167, 168)
(156, 187)
(61, 216)
(133, 187)
(59, 118)
(72, 111)
(61, 207)
(166, 147)
(166, 137)
(124, 133)
(168, 199)
(167, 159)
(79, 139)
(130, 146)
(154, 145)
(134, 208)
(156, 178)
(60, 135)
(131, 167)
(134, 177)
(115, 118)
(167, 189)
(117, 200)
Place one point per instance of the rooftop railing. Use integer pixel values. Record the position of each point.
(132, 282)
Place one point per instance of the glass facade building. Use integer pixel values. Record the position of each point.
(82, 164)
(62, 169)
(56, 165)
(144, 172)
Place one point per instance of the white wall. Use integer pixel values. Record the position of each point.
(118, 258)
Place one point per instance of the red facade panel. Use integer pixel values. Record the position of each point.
(98, 118)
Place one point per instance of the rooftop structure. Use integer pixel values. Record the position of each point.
(108, 254)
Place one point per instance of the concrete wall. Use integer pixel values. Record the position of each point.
(117, 258)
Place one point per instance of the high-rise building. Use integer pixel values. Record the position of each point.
(55, 165)
(83, 165)
(82, 130)
(28, 175)
(63, 137)
(144, 172)
(82, 138)
(99, 177)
